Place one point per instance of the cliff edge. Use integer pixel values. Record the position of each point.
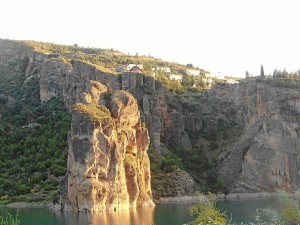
(108, 165)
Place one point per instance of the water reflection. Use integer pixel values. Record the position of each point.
(139, 216)
(169, 214)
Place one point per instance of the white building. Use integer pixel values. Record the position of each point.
(175, 77)
(232, 81)
(164, 69)
(193, 72)
(215, 75)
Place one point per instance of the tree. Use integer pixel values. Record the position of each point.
(189, 65)
(206, 212)
(247, 74)
(275, 73)
(262, 72)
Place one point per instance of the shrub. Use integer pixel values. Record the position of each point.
(58, 170)
(10, 220)
(206, 211)
(170, 163)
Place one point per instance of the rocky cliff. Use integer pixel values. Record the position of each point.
(249, 132)
(245, 135)
(266, 155)
(108, 163)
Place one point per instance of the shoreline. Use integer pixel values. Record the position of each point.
(20, 205)
(220, 197)
(161, 201)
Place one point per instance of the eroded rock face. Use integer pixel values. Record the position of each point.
(266, 155)
(109, 168)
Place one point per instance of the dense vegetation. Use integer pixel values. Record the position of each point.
(33, 139)
(279, 78)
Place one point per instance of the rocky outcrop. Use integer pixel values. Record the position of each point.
(250, 131)
(108, 163)
(265, 157)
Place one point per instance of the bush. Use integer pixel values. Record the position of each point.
(290, 207)
(170, 163)
(206, 212)
(10, 220)
(58, 170)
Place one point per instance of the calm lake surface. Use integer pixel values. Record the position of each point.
(168, 214)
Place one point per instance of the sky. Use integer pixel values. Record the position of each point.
(228, 37)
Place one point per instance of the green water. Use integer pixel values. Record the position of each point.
(169, 214)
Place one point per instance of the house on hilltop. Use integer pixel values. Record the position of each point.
(136, 69)
(130, 66)
(232, 81)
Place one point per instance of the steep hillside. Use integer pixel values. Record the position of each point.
(231, 138)
(33, 134)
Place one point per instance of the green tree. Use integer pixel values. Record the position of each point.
(262, 72)
(206, 212)
(247, 74)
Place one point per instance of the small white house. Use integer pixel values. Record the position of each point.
(193, 72)
(215, 75)
(164, 69)
(232, 81)
(175, 77)
(130, 66)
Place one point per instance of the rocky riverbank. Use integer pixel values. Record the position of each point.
(220, 197)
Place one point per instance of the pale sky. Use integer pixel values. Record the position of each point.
(227, 36)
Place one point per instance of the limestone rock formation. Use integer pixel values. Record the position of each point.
(266, 155)
(248, 133)
(108, 165)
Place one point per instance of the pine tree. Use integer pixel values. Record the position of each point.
(262, 72)
(247, 74)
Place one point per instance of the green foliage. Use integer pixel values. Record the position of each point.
(172, 85)
(206, 211)
(163, 170)
(220, 182)
(166, 163)
(97, 113)
(290, 210)
(194, 161)
(170, 163)
(283, 82)
(34, 146)
(58, 170)
(266, 217)
(10, 220)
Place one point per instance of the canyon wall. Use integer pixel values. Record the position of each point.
(247, 132)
